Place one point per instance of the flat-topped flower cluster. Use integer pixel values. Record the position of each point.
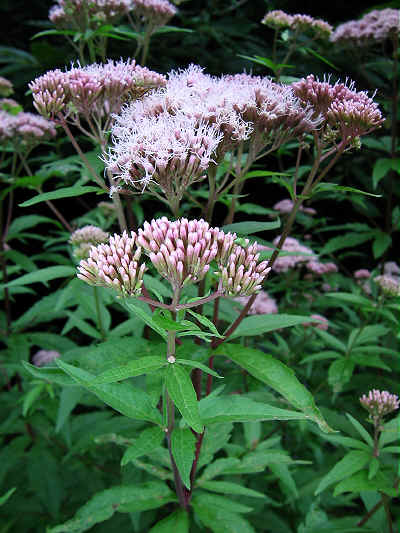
(375, 27)
(379, 403)
(182, 251)
(279, 20)
(25, 130)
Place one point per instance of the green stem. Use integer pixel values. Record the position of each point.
(98, 312)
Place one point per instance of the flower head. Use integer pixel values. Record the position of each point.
(321, 268)
(374, 27)
(344, 110)
(84, 238)
(363, 273)
(243, 274)
(183, 250)
(25, 129)
(286, 206)
(300, 254)
(153, 13)
(391, 268)
(319, 322)
(379, 403)
(44, 357)
(87, 14)
(279, 20)
(115, 265)
(390, 285)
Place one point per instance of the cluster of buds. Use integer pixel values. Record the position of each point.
(318, 322)
(243, 274)
(92, 93)
(285, 207)
(390, 285)
(25, 130)
(152, 14)
(6, 87)
(84, 238)
(204, 117)
(347, 114)
(45, 357)
(88, 14)
(300, 254)
(182, 252)
(115, 265)
(379, 404)
(263, 304)
(279, 20)
(375, 27)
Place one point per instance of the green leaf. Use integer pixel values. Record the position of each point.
(349, 465)
(349, 240)
(31, 396)
(226, 487)
(43, 275)
(248, 228)
(130, 402)
(340, 372)
(321, 58)
(69, 399)
(381, 168)
(180, 388)
(27, 222)
(65, 192)
(220, 514)
(350, 298)
(202, 367)
(205, 322)
(183, 444)
(259, 324)
(235, 408)
(146, 317)
(7, 495)
(359, 482)
(50, 374)
(131, 369)
(176, 522)
(278, 376)
(284, 476)
(218, 467)
(149, 440)
(104, 504)
(381, 243)
(361, 430)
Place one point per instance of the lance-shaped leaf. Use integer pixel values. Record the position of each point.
(148, 440)
(131, 369)
(278, 376)
(236, 408)
(180, 389)
(183, 444)
(177, 522)
(133, 403)
(259, 324)
(351, 463)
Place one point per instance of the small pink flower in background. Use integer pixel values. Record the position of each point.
(379, 403)
(279, 20)
(363, 273)
(115, 265)
(320, 322)
(44, 357)
(391, 268)
(6, 87)
(84, 238)
(321, 268)
(154, 13)
(263, 304)
(286, 206)
(85, 14)
(302, 254)
(374, 27)
(25, 129)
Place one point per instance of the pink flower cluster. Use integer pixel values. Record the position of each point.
(93, 92)
(346, 112)
(262, 305)
(280, 20)
(84, 14)
(321, 268)
(181, 251)
(390, 285)
(115, 265)
(300, 254)
(45, 357)
(25, 130)
(203, 113)
(84, 238)
(153, 13)
(374, 27)
(6, 87)
(379, 403)
(363, 273)
(286, 206)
